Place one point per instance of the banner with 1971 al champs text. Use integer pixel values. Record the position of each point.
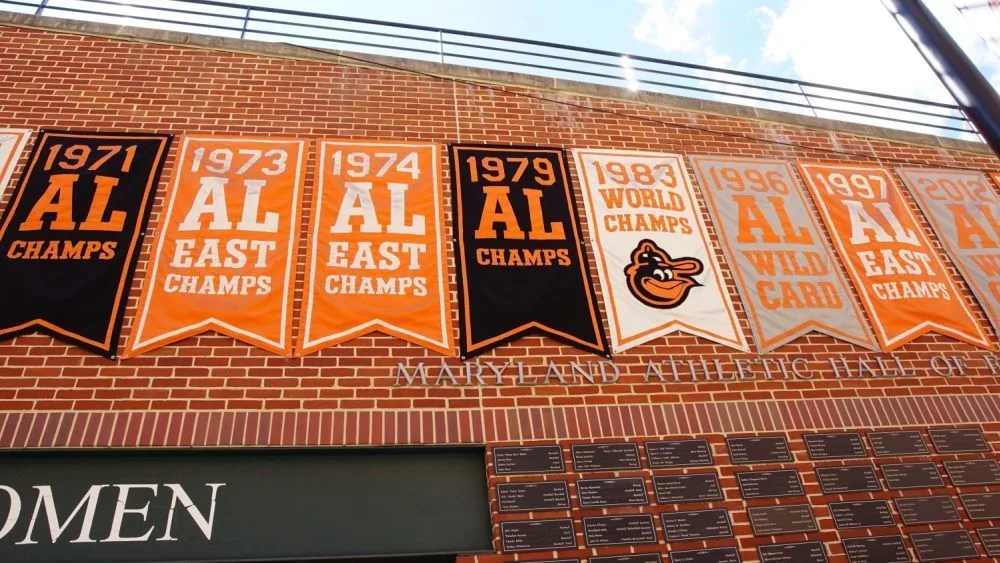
(903, 283)
(70, 237)
(788, 277)
(658, 272)
(376, 246)
(225, 249)
(964, 211)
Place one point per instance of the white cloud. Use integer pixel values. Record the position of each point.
(672, 25)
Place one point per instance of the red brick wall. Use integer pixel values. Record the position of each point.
(212, 390)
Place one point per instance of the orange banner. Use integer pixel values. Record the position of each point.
(226, 244)
(901, 280)
(376, 247)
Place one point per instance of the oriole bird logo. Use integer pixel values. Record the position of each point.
(658, 280)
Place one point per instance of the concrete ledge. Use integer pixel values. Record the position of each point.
(486, 76)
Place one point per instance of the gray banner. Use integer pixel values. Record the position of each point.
(784, 270)
(964, 211)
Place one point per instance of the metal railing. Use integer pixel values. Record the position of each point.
(541, 58)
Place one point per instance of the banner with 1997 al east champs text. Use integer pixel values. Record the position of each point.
(903, 283)
(658, 271)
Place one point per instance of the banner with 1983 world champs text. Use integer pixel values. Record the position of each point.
(12, 143)
(70, 237)
(376, 247)
(226, 245)
(964, 211)
(903, 283)
(521, 267)
(658, 272)
(788, 277)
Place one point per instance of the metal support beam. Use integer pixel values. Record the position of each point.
(960, 76)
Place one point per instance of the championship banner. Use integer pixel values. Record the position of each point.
(70, 237)
(225, 249)
(901, 280)
(658, 272)
(964, 211)
(12, 143)
(786, 274)
(521, 267)
(376, 247)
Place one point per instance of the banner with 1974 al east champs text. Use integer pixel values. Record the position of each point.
(903, 283)
(225, 249)
(964, 211)
(658, 271)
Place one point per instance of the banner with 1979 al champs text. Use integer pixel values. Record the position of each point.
(903, 283)
(226, 244)
(658, 272)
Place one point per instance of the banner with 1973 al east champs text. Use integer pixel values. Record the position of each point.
(70, 237)
(788, 277)
(658, 272)
(226, 244)
(964, 211)
(903, 283)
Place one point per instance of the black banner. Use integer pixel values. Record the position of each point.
(520, 264)
(70, 237)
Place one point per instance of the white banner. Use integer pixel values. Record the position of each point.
(12, 142)
(658, 272)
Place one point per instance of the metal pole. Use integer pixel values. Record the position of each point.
(441, 45)
(246, 23)
(960, 76)
(41, 6)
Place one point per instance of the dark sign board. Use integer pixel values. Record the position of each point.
(696, 525)
(242, 505)
(848, 479)
(898, 443)
(918, 475)
(540, 495)
(798, 552)
(715, 555)
(991, 540)
(690, 487)
(958, 440)
(611, 492)
(861, 514)
(758, 449)
(878, 549)
(784, 519)
(981, 506)
(942, 546)
(511, 460)
(619, 530)
(679, 453)
(927, 510)
(973, 472)
(839, 445)
(634, 558)
(602, 457)
(537, 535)
(769, 484)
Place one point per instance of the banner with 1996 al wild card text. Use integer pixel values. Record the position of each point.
(788, 277)
(226, 245)
(658, 272)
(903, 283)
(70, 238)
